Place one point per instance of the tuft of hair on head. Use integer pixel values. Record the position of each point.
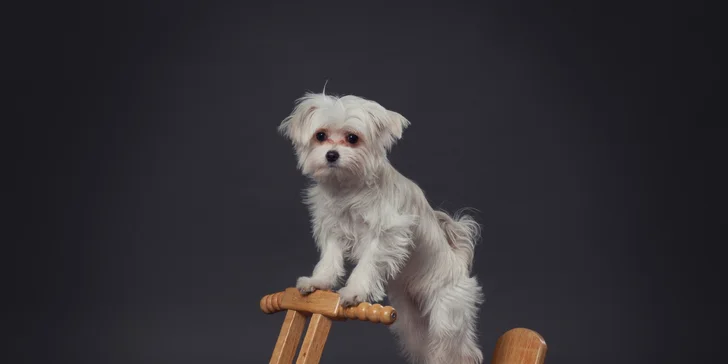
(323, 92)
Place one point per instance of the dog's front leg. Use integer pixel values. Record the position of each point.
(328, 271)
(382, 260)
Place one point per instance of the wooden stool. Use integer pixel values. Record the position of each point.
(516, 346)
(322, 307)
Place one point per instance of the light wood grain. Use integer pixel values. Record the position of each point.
(326, 303)
(288, 338)
(321, 302)
(313, 343)
(520, 346)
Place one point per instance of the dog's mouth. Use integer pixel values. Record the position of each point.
(326, 170)
(337, 173)
(331, 169)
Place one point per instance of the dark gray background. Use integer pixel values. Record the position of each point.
(155, 204)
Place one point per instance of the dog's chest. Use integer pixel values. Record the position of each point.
(355, 221)
(356, 230)
(360, 236)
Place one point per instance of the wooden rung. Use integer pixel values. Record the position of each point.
(326, 303)
(520, 346)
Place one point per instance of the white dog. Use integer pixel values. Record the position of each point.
(363, 210)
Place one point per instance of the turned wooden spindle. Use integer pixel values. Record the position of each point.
(272, 303)
(327, 303)
(365, 311)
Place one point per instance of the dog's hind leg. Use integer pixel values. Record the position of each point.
(452, 335)
(410, 327)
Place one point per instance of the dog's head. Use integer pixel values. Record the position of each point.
(344, 138)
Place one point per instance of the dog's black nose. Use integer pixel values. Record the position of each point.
(332, 156)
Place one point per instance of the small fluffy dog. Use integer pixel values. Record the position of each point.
(365, 211)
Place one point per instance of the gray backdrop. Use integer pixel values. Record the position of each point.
(157, 204)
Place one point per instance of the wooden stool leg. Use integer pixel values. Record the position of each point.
(520, 346)
(313, 343)
(288, 338)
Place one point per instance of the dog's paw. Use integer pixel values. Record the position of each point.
(349, 296)
(306, 285)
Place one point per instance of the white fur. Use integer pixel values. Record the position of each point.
(363, 210)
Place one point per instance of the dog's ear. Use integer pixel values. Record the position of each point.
(295, 125)
(392, 128)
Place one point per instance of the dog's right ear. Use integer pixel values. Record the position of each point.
(295, 126)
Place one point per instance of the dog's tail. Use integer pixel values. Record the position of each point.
(462, 232)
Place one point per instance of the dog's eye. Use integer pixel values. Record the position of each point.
(320, 136)
(352, 138)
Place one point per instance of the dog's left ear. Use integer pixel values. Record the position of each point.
(393, 126)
